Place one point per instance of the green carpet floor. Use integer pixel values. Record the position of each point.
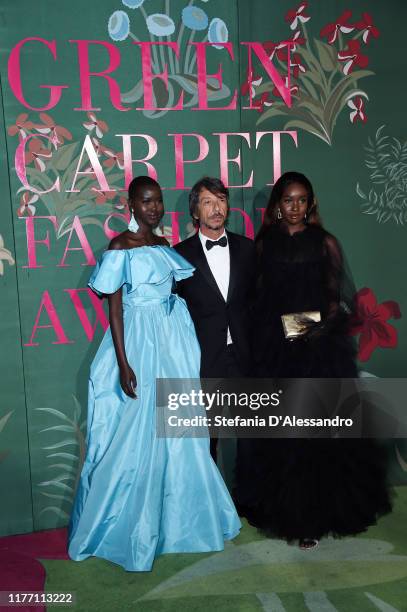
(360, 574)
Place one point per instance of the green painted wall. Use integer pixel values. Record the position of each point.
(359, 171)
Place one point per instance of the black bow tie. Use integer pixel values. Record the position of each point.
(211, 243)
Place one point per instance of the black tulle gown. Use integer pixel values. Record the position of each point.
(308, 488)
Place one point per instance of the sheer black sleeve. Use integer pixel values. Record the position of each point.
(338, 283)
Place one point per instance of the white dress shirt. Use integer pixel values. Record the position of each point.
(218, 259)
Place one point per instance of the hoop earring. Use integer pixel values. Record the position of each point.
(279, 215)
(305, 218)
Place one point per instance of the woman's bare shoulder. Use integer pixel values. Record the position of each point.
(123, 241)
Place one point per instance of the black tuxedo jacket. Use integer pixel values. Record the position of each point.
(211, 314)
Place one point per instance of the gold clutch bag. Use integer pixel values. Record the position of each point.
(296, 323)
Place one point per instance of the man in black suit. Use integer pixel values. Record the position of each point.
(218, 295)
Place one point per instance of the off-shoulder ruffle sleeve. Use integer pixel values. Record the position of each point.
(181, 268)
(112, 271)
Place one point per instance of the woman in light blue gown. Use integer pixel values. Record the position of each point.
(140, 496)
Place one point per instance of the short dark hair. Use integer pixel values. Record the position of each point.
(139, 182)
(214, 185)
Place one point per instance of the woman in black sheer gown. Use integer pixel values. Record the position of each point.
(308, 488)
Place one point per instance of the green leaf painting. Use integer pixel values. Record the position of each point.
(386, 160)
(65, 464)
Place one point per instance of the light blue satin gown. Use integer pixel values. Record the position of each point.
(140, 496)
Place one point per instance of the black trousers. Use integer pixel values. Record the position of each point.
(244, 456)
(230, 369)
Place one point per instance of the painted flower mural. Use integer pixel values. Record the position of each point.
(371, 324)
(357, 107)
(324, 76)
(37, 153)
(45, 158)
(98, 125)
(192, 21)
(113, 159)
(57, 132)
(297, 16)
(194, 18)
(133, 4)
(352, 57)
(105, 196)
(332, 30)
(119, 25)
(218, 32)
(250, 86)
(367, 27)
(160, 24)
(21, 126)
(27, 201)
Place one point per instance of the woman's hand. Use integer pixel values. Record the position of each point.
(128, 381)
(314, 331)
(311, 329)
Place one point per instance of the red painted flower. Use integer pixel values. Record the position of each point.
(57, 132)
(358, 110)
(114, 159)
(295, 61)
(297, 16)
(96, 124)
(103, 196)
(352, 57)
(281, 48)
(297, 39)
(369, 29)
(297, 65)
(370, 321)
(264, 101)
(249, 86)
(37, 153)
(294, 89)
(122, 204)
(21, 126)
(331, 30)
(99, 148)
(270, 48)
(26, 208)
